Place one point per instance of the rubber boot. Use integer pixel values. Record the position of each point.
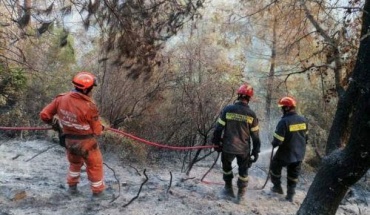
(228, 189)
(277, 189)
(277, 184)
(101, 196)
(107, 194)
(73, 190)
(241, 195)
(290, 194)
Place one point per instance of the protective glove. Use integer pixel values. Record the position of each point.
(104, 123)
(55, 124)
(56, 127)
(254, 157)
(62, 140)
(218, 148)
(275, 144)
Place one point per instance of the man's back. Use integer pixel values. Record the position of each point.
(76, 112)
(293, 128)
(239, 120)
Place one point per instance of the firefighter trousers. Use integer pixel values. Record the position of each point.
(242, 161)
(80, 152)
(293, 171)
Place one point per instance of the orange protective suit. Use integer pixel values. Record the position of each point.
(79, 118)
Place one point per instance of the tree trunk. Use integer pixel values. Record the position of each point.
(342, 168)
(341, 120)
(270, 79)
(26, 18)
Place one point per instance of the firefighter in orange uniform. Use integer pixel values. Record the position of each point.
(78, 117)
(291, 138)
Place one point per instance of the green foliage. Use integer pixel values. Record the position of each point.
(12, 83)
(126, 149)
(57, 71)
(25, 90)
(12, 86)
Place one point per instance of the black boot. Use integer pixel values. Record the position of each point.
(241, 195)
(228, 189)
(104, 195)
(275, 179)
(242, 189)
(277, 189)
(73, 190)
(290, 194)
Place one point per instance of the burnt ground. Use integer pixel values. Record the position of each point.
(33, 182)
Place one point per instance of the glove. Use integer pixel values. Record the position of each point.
(254, 157)
(218, 148)
(105, 126)
(275, 144)
(55, 124)
(62, 140)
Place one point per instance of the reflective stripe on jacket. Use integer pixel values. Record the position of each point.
(290, 136)
(77, 113)
(239, 124)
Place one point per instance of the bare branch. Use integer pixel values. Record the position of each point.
(141, 186)
(169, 186)
(137, 171)
(45, 150)
(214, 163)
(118, 182)
(327, 38)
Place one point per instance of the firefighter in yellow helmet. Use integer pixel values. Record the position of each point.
(291, 138)
(236, 127)
(78, 117)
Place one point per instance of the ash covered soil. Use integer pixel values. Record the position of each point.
(34, 182)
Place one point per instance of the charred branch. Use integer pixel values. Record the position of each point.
(138, 193)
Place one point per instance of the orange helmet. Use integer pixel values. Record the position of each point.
(246, 90)
(84, 80)
(287, 101)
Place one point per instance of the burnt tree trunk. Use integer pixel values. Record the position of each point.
(270, 79)
(344, 167)
(26, 14)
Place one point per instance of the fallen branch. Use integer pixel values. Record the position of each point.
(41, 152)
(15, 157)
(137, 171)
(185, 179)
(119, 184)
(214, 163)
(141, 186)
(168, 189)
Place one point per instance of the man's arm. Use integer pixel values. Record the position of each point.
(48, 112)
(279, 134)
(95, 122)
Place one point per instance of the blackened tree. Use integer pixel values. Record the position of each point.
(344, 167)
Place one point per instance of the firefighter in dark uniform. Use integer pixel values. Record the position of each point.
(291, 138)
(235, 128)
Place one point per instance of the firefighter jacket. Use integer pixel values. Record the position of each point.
(239, 125)
(77, 114)
(291, 137)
